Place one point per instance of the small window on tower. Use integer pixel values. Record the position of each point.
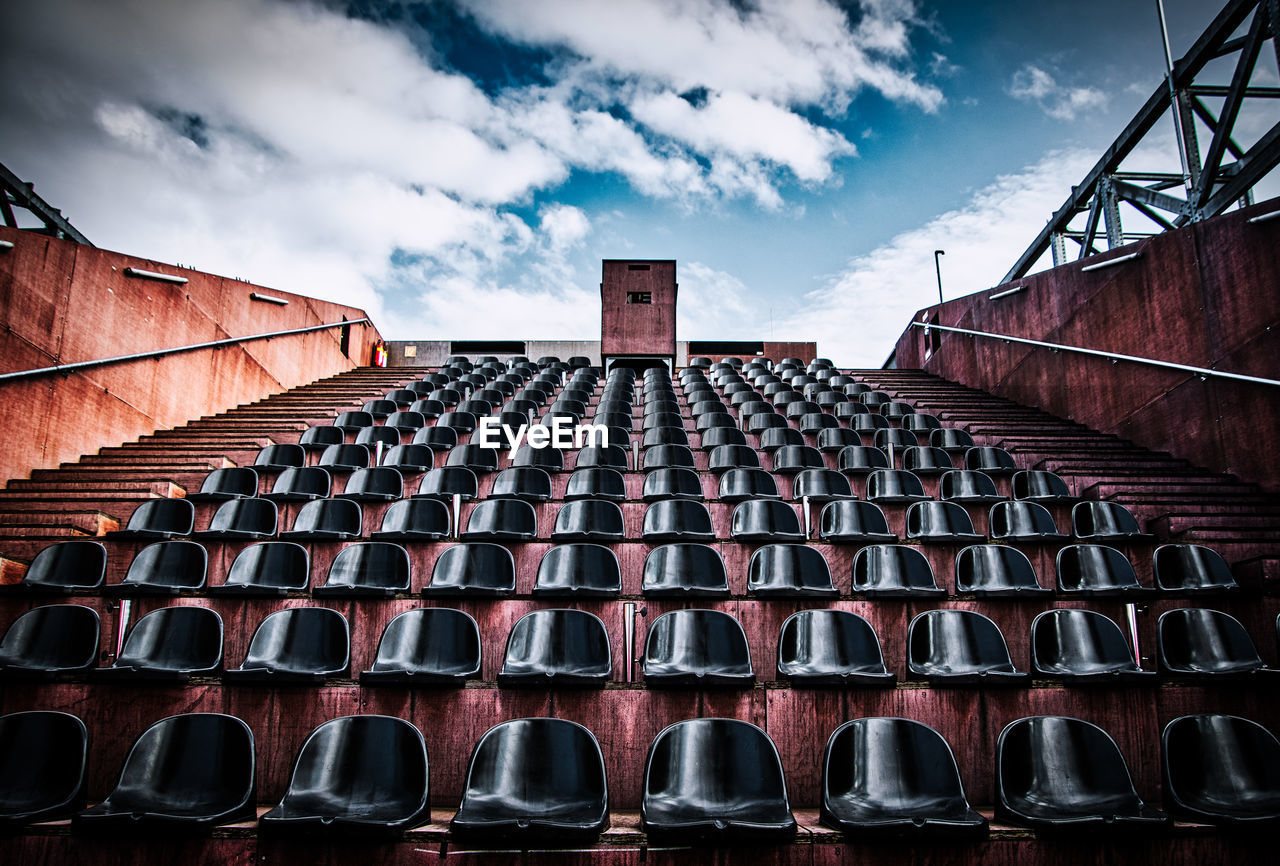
(639, 297)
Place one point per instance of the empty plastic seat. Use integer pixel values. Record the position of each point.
(165, 568)
(460, 422)
(344, 458)
(741, 485)
(370, 569)
(1103, 521)
(186, 772)
(326, 520)
(549, 648)
(861, 460)
(376, 484)
(778, 437)
(1192, 568)
(1200, 643)
(232, 482)
(276, 458)
(677, 520)
(820, 485)
(50, 640)
(579, 571)
(1082, 646)
(380, 408)
(171, 644)
(434, 646)
(812, 423)
(830, 648)
(758, 422)
(596, 482)
(789, 571)
(1038, 485)
(534, 780)
(666, 456)
(951, 439)
(849, 520)
(1094, 569)
(612, 456)
(715, 780)
(675, 483)
(893, 571)
(1221, 769)
(765, 520)
(479, 569)
(63, 567)
(42, 766)
(437, 438)
(501, 520)
(242, 518)
(682, 570)
(548, 459)
(1022, 521)
(589, 520)
(895, 778)
(967, 486)
(944, 522)
(401, 396)
(271, 568)
(321, 437)
(896, 486)
(991, 460)
(409, 458)
(994, 570)
(300, 485)
(792, 459)
(474, 457)
(1057, 773)
(657, 436)
(895, 438)
(959, 647)
(296, 645)
(374, 436)
(159, 518)
(699, 648)
(836, 439)
(404, 422)
(868, 423)
(921, 423)
(356, 774)
(446, 482)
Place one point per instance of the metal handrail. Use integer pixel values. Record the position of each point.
(159, 353)
(1202, 372)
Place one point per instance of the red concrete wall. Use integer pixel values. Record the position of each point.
(1207, 295)
(638, 329)
(61, 302)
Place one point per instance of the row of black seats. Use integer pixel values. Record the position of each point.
(601, 519)
(555, 647)
(675, 570)
(541, 780)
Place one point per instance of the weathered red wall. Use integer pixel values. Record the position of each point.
(61, 302)
(638, 329)
(1207, 295)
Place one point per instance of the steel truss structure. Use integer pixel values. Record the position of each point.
(1207, 183)
(16, 195)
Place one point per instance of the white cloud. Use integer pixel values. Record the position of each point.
(714, 304)
(291, 145)
(857, 317)
(1060, 102)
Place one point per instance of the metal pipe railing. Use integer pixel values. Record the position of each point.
(1202, 372)
(160, 353)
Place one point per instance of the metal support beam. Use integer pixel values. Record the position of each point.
(14, 192)
(1217, 40)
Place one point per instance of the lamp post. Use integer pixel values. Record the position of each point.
(938, 268)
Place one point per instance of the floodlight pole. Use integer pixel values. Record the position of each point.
(938, 268)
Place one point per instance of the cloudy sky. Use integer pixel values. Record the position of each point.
(459, 168)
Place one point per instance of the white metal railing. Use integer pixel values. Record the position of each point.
(1113, 357)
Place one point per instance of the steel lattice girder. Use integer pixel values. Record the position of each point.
(1213, 186)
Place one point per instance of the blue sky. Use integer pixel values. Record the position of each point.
(459, 169)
